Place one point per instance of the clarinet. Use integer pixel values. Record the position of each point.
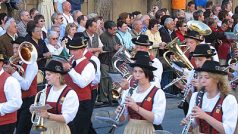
(119, 114)
(198, 101)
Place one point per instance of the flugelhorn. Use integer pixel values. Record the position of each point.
(36, 119)
(27, 53)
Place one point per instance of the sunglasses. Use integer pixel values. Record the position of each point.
(55, 38)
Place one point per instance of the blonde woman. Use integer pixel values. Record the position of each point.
(70, 30)
(61, 97)
(215, 110)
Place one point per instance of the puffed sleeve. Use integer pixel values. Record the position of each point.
(159, 107)
(70, 106)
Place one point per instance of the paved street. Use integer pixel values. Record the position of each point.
(171, 121)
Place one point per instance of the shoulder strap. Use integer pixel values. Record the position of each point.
(61, 99)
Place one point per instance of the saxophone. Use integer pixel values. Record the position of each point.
(119, 114)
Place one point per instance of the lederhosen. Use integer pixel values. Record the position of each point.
(24, 123)
(216, 113)
(81, 122)
(147, 104)
(7, 122)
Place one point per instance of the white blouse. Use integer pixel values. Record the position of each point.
(229, 109)
(70, 104)
(53, 50)
(159, 104)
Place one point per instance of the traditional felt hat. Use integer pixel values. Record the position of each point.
(79, 41)
(194, 35)
(212, 67)
(55, 66)
(203, 50)
(142, 40)
(142, 59)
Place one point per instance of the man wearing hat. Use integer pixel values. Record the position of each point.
(10, 100)
(28, 83)
(96, 63)
(80, 76)
(142, 43)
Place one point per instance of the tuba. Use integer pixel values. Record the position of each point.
(120, 62)
(27, 53)
(36, 119)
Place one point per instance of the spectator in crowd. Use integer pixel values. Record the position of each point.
(124, 35)
(167, 32)
(181, 29)
(53, 45)
(136, 15)
(94, 43)
(33, 13)
(198, 15)
(34, 36)
(40, 22)
(76, 14)
(46, 8)
(11, 34)
(227, 5)
(58, 6)
(180, 14)
(3, 18)
(208, 14)
(21, 26)
(235, 17)
(222, 15)
(58, 19)
(215, 10)
(100, 25)
(55, 28)
(145, 22)
(190, 10)
(159, 14)
(66, 13)
(209, 5)
(70, 30)
(136, 28)
(81, 23)
(125, 17)
(154, 35)
(111, 44)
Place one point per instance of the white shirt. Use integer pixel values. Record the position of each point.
(158, 72)
(70, 104)
(30, 73)
(2, 31)
(229, 109)
(98, 72)
(53, 50)
(100, 45)
(12, 92)
(158, 107)
(67, 19)
(86, 77)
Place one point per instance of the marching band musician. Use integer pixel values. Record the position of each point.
(146, 105)
(202, 53)
(28, 82)
(142, 43)
(80, 76)
(10, 100)
(62, 98)
(216, 111)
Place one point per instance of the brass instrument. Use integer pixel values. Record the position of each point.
(27, 53)
(36, 119)
(199, 27)
(231, 61)
(120, 62)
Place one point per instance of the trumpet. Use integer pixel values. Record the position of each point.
(36, 119)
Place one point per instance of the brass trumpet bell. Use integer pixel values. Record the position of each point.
(27, 52)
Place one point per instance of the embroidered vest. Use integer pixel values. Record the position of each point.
(57, 106)
(10, 117)
(147, 104)
(83, 93)
(216, 113)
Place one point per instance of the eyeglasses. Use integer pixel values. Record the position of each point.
(55, 38)
(42, 20)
